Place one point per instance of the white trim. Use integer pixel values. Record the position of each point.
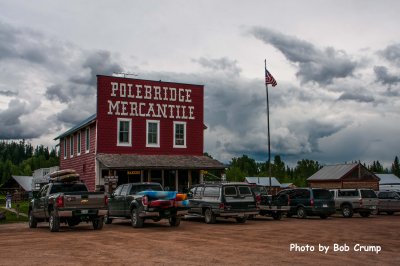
(78, 143)
(87, 139)
(71, 146)
(129, 143)
(184, 134)
(152, 145)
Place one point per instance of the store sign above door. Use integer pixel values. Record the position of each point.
(133, 172)
(160, 102)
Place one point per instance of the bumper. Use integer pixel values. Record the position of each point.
(78, 213)
(164, 213)
(237, 213)
(273, 208)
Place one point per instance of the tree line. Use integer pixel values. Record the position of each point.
(244, 166)
(21, 158)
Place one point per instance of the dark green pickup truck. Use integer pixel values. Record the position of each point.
(141, 201)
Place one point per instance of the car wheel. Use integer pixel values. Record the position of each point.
(347, 211)
(241, 220)
(54, 222)
(107, 219)
(32, 220)
(174, 221)
(277, 216)
(98, 223)
(365, 214)
(209, 217)
(301, 213)
(136, 221)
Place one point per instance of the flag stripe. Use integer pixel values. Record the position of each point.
(269, 79)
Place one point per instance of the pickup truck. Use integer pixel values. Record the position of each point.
(70, 203)
(270, 205)
(349, 201)
(140, 201)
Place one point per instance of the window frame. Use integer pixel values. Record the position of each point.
(124, 144)
(78, 143)
(184, 134)
(71, 146)
(153, 145)
(87, 140)
(65, 148)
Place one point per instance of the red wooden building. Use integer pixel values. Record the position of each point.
(143, 131)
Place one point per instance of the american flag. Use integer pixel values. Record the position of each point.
(269, 79)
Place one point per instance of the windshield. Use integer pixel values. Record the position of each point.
(322, 194)
(368, 193)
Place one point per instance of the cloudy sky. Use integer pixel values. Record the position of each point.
(337, 64)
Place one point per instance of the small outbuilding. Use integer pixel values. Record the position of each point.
(389, 182)
(344, 176)
(276, 186)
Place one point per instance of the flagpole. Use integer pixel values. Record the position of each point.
(269, 142)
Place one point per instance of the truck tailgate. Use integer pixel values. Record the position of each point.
(84, 200)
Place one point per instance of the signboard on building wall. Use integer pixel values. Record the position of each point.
(142, 109)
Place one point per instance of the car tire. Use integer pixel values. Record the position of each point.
(365, 214)
(54, 222)
(98, 223)
(347, 211)
(277, 216)
(136, 220)
(241, 220)
(32, 220)
(301, 213)
(174, 221)
(107, 219)
(209, 216)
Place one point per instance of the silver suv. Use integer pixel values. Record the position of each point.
(389, 201)
(350, 201)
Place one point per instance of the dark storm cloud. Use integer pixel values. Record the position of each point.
(8, 93)
(392, 53)
(383, 76)
(10, 122)
(57, 93)
(357, 97)
(320, 66)
(224, 64)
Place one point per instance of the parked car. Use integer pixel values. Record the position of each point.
(141, 201)
(349, 201)
(389, 201)
(270, 205)
(229, 200)
(309, 201)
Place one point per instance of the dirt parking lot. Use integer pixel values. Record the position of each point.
(257, 242)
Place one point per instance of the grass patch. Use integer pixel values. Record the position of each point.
(12, 217)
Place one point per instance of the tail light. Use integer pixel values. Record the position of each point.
(145, 201)
(361, 202)
(60, 201)
(221, 206)
(312, 202)
(105, 200)
(258, 198)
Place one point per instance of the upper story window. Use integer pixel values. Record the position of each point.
(65, 148)
(179, 135)
(71, 146)
(87, 137)
(78, 143)
(124, 132)
(153, 133)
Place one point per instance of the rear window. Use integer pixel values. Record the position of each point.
(56, 188)
(322, 194)
(367, 193)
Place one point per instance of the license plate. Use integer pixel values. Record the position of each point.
(84, 211)
(325, 205)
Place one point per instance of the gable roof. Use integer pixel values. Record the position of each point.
(332, 172)
(24, 181)
(78, 126)
(388, 179)
(263, 181)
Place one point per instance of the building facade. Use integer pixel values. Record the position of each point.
(143, 130)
